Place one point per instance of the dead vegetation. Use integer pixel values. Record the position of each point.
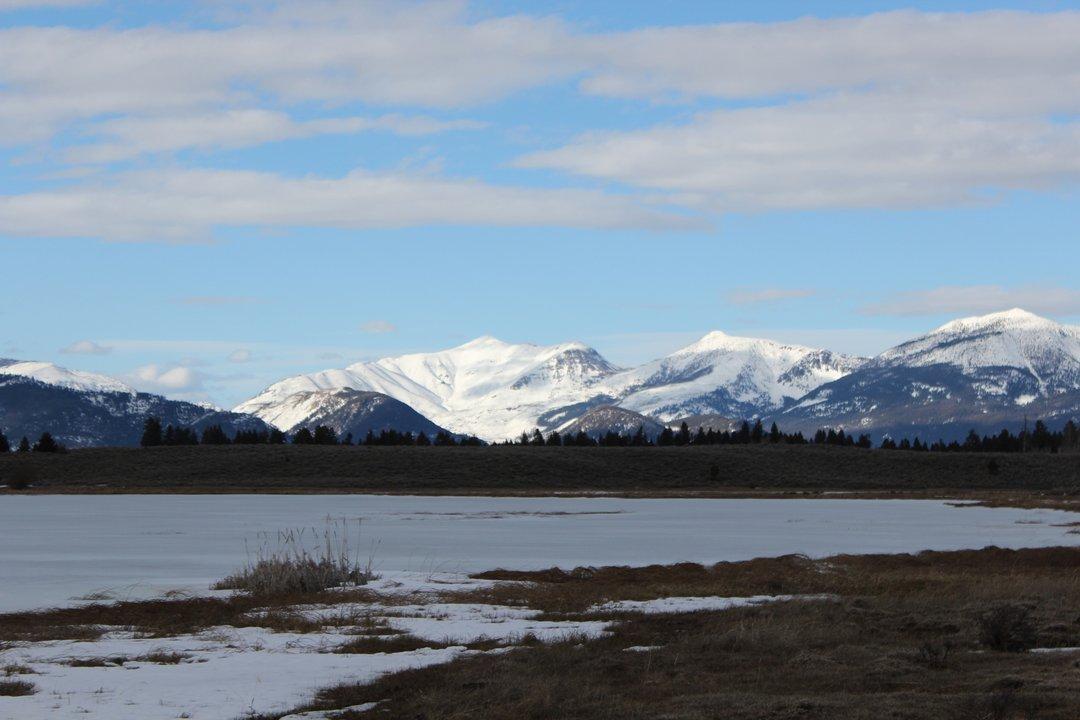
(907, 638)
(16, 688)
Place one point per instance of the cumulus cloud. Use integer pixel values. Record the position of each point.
(167, 379)
(749, 296)
(378, 327)
(241, 355)
(86, 347)
(978, 300)
(185, 205)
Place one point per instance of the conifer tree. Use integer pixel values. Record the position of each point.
(5, 446)
(303, 436)
(554, 439)
(422, 439)
(151, 436)
(214, 435)
(774, 434)
(276, 437)
(46, 444)
(325, 435)
(24, 445)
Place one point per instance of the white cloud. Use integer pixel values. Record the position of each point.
(426, 54)
(31, 4)
(185, 205)
(979, 300)
(86, 347)
(241, 355)
(894, 110)
(378, 327)
(174, 379)
(749, 296)
(126, 138)
(841, 152)
(898, 110)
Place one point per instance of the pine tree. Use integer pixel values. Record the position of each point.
(537, 438)
(554, 439)
(422, 439)
(46, 444)
(774, 434)
(24, 445)
(276, 437)
(303, 436)
(683, 436)
(5, 446)
(325, 435)
(758, 433)
(151, 436)
(214, 435)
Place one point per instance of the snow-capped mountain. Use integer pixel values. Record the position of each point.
(725, 375)
(497, 390)
(486, 387)
(82, 409)
(51, 374)
(980, 372)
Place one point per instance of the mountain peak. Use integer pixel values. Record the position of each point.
(484, 342)
(1012, 318)
(50, 374)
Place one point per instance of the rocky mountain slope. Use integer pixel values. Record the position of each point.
(980, 373)
(94, 412)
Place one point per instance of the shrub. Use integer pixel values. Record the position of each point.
(1007, 629)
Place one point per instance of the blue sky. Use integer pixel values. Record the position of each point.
(203, 198)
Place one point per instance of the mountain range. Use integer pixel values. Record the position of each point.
(82, 409)
(983, 372)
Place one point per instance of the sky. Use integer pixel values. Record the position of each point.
(202, 198)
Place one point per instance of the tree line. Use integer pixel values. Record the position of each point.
(45, 443)
(154, 436)
(1038, 439)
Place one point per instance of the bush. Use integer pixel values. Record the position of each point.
(1007, 629)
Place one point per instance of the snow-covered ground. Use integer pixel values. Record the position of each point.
(229, 672)
(54, 549)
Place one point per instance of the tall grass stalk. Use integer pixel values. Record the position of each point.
(304, 560)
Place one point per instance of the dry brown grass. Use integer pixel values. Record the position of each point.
(168, 618)
(16, 688)
(903, 641)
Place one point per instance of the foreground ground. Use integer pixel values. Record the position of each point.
(727, 470)
(971, 635)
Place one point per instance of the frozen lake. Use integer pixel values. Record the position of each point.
(55, 548)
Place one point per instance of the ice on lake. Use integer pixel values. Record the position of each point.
(56, 548)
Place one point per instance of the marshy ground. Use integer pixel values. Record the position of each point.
(969, 635)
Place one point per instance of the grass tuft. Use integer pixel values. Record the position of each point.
(292, 567)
